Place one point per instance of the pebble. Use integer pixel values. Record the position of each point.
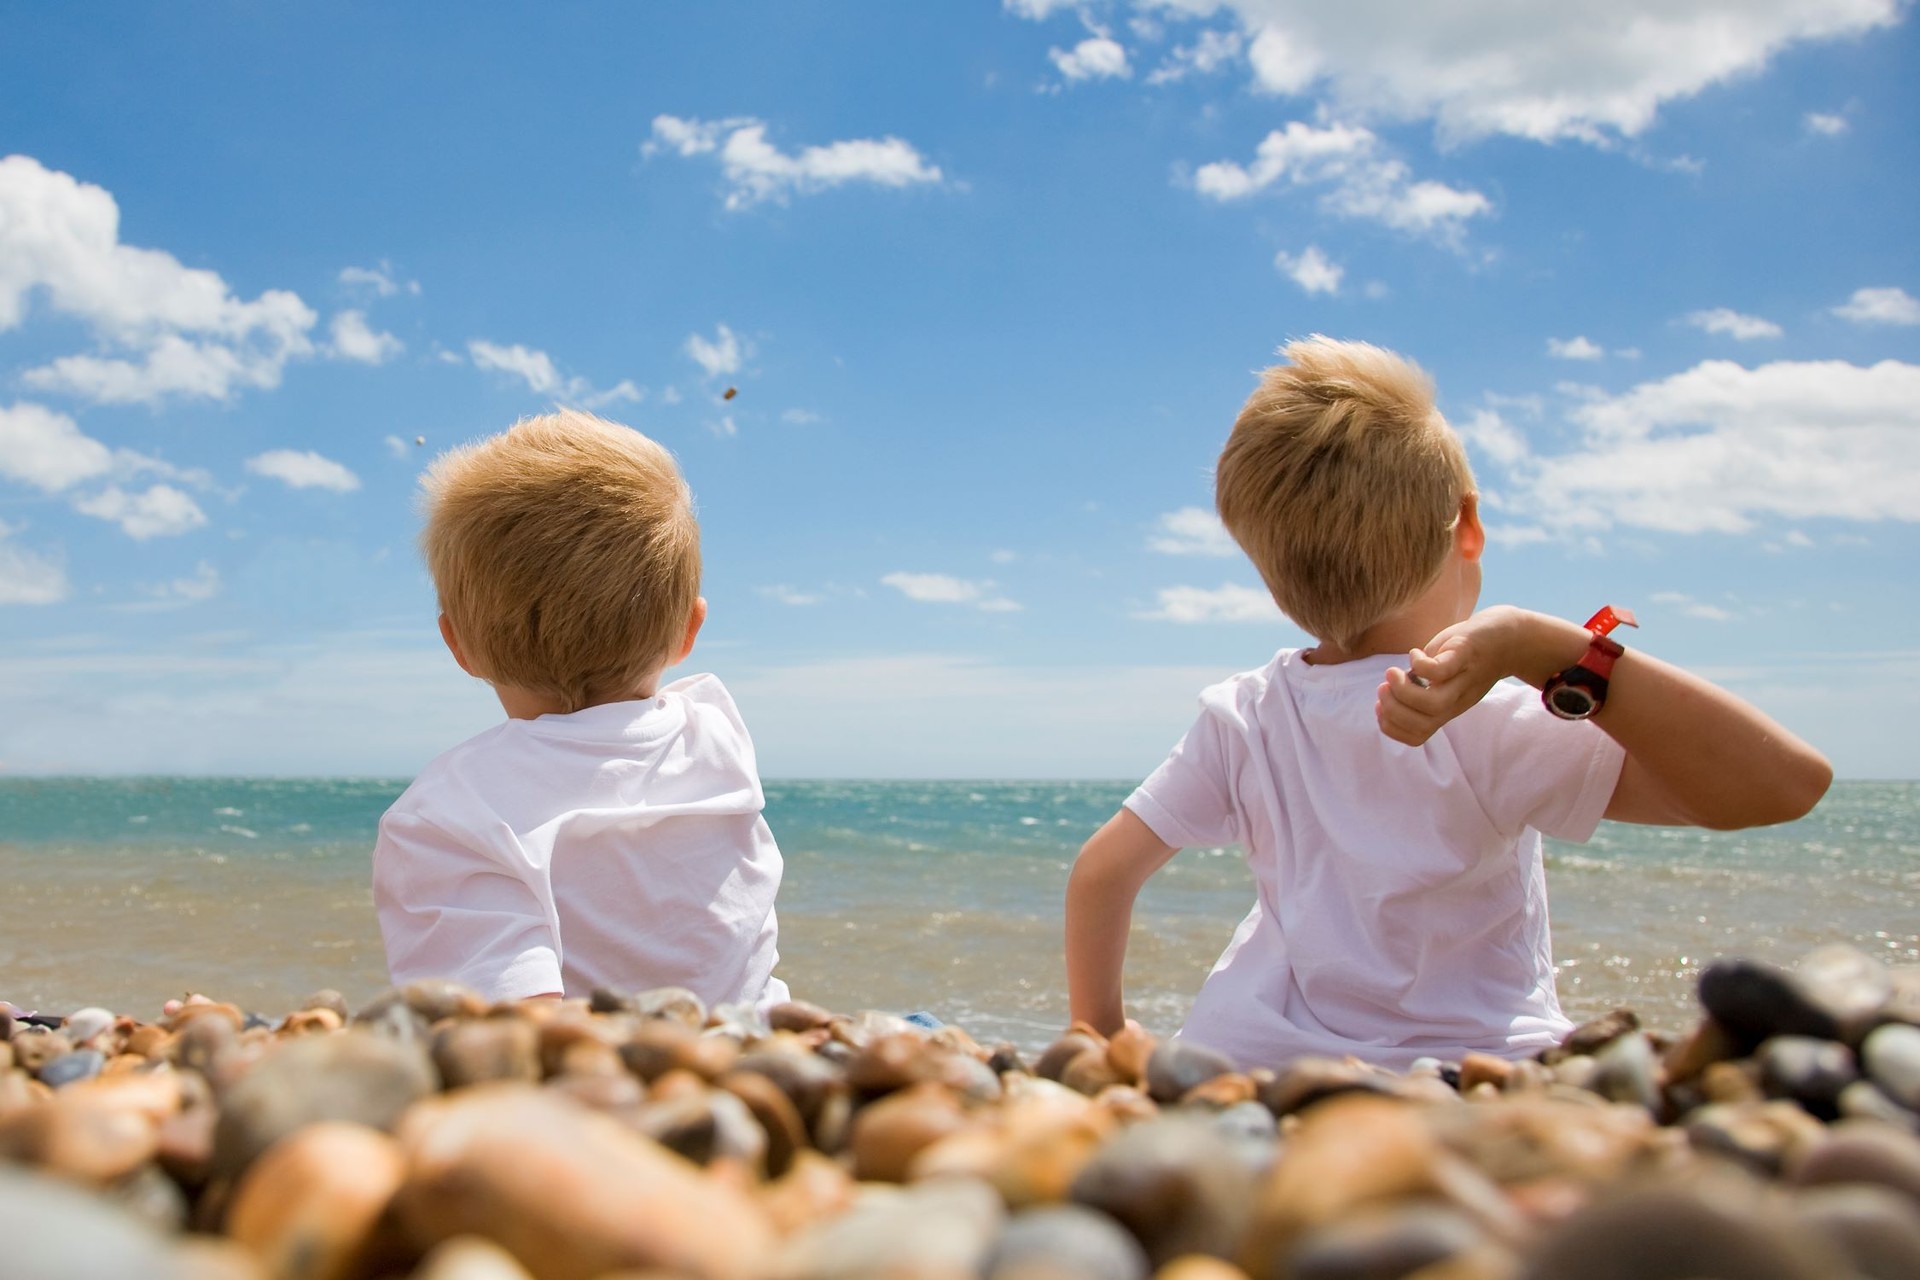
(941, 1230)
(354, 1076)
(1177, 1066)
(312, 1204)
(1681, 1232)
(50, 1230)
(70, 1068)
(1174, 1183)
(1892, 1058)
(1066, 1242)
(1875, 1228)
(1811, 1072)
(436, 1137)
(1395, 1241)
(557, 1186)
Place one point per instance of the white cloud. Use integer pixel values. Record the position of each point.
(1880, 306)
(47, 449)
(1039, 9)
(1212, 51)
(537, 369)
(1360, 182)
(726, 428)
(1743, 328)
(381, 280)
(1594, 70)
(938, 588)
(1494, 436)
(303, 469)
(623, 391)
(396, 446)
(353, 339)
(1098, 57)
(532, 366)
(801, 417)
(1575, 348)
(717, 358)
(162, 511)
(1225, 603)
(27, 578)
(790, 595)
(1719, 447)
(1192, 531)
(1693, 608)
(756, 171)
(1825, 123)
(168, 329)
(1311, 269)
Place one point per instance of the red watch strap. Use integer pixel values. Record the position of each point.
(1600, 655)
(1609, 617)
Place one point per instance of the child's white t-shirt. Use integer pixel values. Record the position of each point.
(1402, 907)
(620, 846)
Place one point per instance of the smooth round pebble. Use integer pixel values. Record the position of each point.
(1067, 1241)
(1892, 1058)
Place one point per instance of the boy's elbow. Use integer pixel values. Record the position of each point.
(1789, 797)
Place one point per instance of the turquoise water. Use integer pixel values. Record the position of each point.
(898, 894)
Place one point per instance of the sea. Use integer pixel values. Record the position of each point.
(936, 896)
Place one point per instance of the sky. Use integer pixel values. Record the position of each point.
(991, 281)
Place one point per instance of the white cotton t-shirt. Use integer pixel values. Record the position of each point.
(620, 846)
(1401, 907)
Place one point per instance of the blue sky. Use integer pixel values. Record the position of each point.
(992, 281)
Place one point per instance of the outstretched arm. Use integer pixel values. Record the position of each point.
(1696, 754)
(1106, 878)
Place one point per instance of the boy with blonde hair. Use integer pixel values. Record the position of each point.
(609, 833)
(1390, 784)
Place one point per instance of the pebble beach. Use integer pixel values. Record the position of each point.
(425, 1134)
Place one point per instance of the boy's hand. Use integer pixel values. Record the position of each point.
(1451, 674)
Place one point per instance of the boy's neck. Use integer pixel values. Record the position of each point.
(1450, 599)
(531, 704)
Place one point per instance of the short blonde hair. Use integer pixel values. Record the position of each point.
(1343, 484)
(566, 555)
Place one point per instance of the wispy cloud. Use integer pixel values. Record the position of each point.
(168, 330)
(1359, 181)
(758, 172)
(1719, 447)
(1098, 57)
(303, 469)
(939, 588)
(1827, 124)
(1579, 347)
(537, 369)
(1311, 269)
(381, 281)
(162, 511)
(1886, 305)
(1734, 324)
(1228, 602)
(718, 357)
(354, 339)
(27, 577)
(1191, 531)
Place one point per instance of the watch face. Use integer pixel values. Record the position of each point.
(1571, 702)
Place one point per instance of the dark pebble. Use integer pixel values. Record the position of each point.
(1755, 1001)
(1811, 1072)
(1179, 1065)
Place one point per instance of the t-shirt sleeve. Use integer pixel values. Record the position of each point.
(1532, 769)
(450, 910)
(1188, 801)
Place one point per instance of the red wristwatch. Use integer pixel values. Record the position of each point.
(1581, 690)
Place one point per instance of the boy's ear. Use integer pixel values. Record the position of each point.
(453, 644)
(694, 622)
(1468, 533)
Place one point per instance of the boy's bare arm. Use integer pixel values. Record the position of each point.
(1696, 754)
(1106, 878)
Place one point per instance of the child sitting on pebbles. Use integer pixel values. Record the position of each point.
(1390, 784)
(609, 833)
